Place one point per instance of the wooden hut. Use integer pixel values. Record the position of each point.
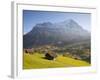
(50, 55)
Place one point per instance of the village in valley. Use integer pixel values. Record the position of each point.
(51, 52)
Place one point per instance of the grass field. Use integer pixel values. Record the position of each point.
(38, 61)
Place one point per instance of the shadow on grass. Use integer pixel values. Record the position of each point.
(43, 57)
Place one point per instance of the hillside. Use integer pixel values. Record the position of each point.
(38, 61)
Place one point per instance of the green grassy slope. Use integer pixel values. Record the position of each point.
(38, 61)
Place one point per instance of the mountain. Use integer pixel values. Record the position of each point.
(59, 34)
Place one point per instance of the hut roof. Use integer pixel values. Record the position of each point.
(52, 54)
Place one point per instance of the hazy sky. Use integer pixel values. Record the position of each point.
(31, 18)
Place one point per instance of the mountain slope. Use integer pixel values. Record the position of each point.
(62, 33)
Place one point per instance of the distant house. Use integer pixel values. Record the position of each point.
(30, 51)
(67, 54)
(76, 57)
(50, 56)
